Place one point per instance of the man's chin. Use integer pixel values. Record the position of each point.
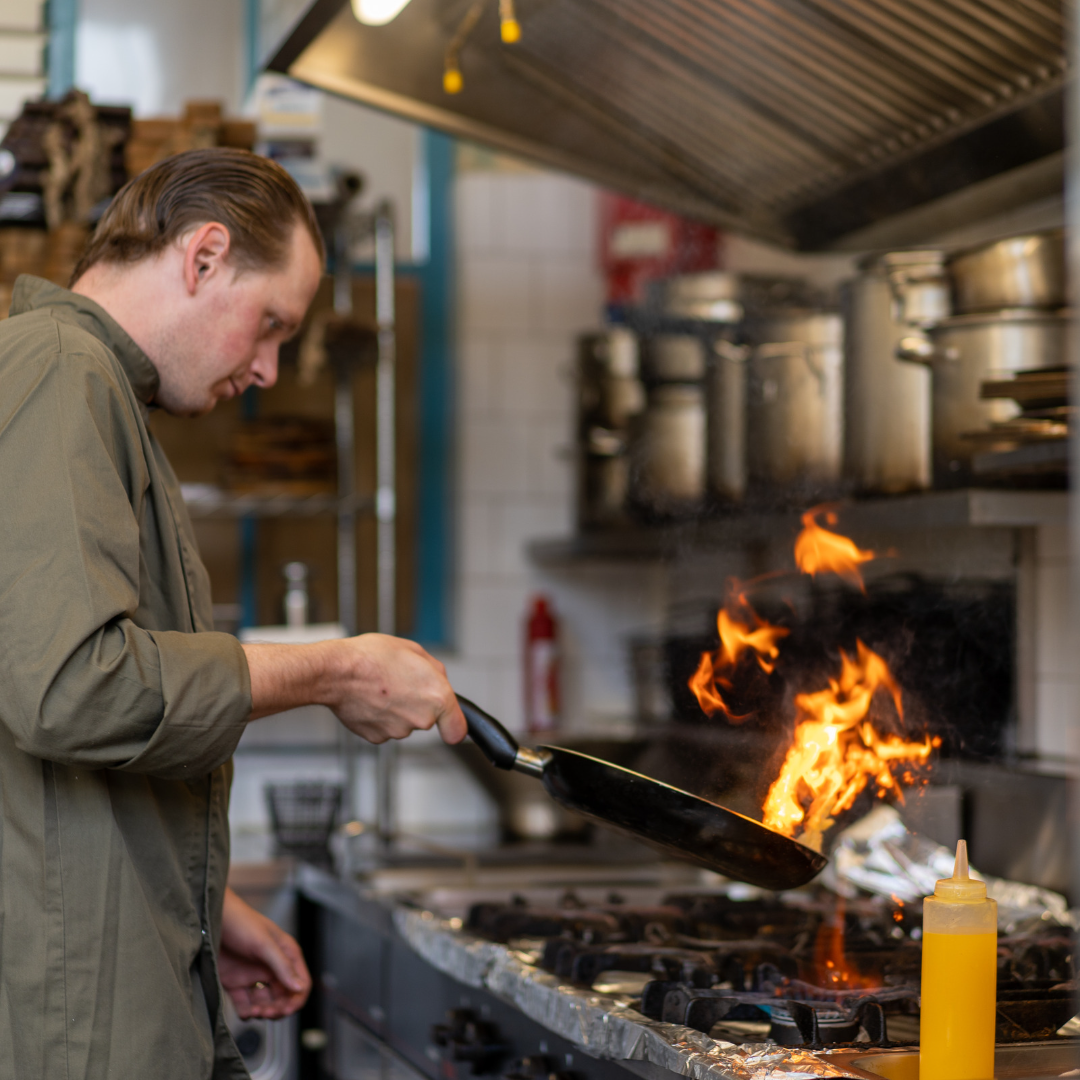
(189, 410)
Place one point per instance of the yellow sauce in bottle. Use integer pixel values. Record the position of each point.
(959, 979)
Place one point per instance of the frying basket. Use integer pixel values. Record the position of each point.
(303, 817)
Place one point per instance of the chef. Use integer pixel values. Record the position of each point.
(120, 707)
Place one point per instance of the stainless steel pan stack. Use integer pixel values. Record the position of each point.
(1009, 315)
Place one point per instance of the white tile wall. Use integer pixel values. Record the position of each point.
(1049, 647)
(529, 284)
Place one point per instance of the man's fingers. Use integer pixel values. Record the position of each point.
(452, 726)
(290, 970)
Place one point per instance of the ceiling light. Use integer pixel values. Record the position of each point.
(377, 12)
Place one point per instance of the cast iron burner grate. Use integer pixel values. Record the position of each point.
(797, 1014)
(710, 960)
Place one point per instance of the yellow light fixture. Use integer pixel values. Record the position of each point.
(377, 12)
(509, 27)
(452, 81)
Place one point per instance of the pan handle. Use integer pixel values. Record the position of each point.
(498, 745)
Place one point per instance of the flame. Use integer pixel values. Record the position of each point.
(837, 752)
(738, 636)
(831, 968)
(898, 908)
(818, 550)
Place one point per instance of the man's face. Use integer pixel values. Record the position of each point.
(229, 336)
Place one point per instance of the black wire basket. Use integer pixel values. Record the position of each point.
(303, 816)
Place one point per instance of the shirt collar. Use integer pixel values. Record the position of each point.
(34, 293)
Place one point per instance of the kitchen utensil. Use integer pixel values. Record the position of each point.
(725, 409)
(887, 404)
(610, 395)
(710, 296)
(526, 811)
(963, 352)
(1018, 272)
(675, 821)
(795, 410)
(648, 677)
(667, 451)
(302, 817)
(674, 358)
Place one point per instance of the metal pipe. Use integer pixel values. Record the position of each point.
(385, 493)
(345, 439)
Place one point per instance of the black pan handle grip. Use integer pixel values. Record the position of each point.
(497, 744)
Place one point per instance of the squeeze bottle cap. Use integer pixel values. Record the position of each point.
(960, 886)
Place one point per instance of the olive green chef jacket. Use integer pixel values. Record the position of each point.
(119, 712)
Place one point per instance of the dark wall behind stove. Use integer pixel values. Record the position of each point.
(950, 647)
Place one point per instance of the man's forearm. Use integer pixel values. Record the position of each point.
(288, 676)
(380, 687)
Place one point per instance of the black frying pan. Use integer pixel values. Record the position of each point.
(673, 820)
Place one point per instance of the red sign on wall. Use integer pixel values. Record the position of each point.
(640, 243)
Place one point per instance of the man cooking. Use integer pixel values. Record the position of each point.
(120, 708)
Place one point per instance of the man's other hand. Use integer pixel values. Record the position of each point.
(380, 687)
(261, 967)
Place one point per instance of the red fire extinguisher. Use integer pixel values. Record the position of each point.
(541, 668)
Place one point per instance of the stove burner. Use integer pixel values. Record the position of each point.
(813, 1024)
(715, 960)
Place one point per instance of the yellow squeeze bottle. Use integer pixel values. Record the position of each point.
(959, 978)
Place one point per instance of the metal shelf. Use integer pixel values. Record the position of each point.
(1051, 456)
(223, 504)
(968, 507)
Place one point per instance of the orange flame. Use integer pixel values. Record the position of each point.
(837, 752)
(819, 551)
(737, 636)
(831, 967)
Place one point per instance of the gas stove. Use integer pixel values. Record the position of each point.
(804, 970)
(651, 970)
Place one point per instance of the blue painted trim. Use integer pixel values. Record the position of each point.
(61, 18)
(433, 620)
(249, 578)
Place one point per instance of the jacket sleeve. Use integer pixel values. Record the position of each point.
(80, 682)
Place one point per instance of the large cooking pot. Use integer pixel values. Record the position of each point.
(795, 402)
(963, 352)
(610, 394)
(1018, 272)
(887, 404)
(667, 451)
(674, 358)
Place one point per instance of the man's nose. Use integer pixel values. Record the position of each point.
(264, 368)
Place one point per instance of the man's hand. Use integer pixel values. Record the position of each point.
(380, 687)
(261, 967)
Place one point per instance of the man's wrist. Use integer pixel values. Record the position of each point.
(288, 676)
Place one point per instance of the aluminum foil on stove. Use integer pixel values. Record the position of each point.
(603, 1026)
(879, 855)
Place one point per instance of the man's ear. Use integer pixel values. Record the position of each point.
(205, 254)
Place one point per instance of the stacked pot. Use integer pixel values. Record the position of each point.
(666, 413)
(687, 448)
(795, 405)
(896, 299)
(611, 396)
(1008, 315)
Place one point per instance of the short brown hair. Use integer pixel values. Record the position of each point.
(253, 197)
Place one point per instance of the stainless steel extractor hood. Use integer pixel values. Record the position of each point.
(800, 121)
